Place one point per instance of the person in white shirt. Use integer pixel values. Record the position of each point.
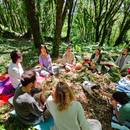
(15, 69)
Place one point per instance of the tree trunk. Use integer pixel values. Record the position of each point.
(34, 22)
(60, 18)
(70, 18)
(97, 33)
(122, 33)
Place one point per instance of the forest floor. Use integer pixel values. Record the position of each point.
(94, 108)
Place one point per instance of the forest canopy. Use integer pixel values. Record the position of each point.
(91, 21)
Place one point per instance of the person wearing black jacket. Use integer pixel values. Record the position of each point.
(95, 59)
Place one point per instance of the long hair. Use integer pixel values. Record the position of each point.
(63, 96)
(41, 48)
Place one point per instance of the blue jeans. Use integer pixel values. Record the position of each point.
(45, 73)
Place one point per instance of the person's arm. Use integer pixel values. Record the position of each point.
(16, 73)
(104, 93)
(74, 60)
(35, 90)
(83, 123)
(64, 59)
(99, 59)
(117, 61)
(51, 67)
(113, 103)
(34, 108)
(93, 55)
(123, 70)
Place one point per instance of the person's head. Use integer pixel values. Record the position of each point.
(98, 52)
(126, 51)
(121, 97)
(63, 95)
(16, 56)
(43, 50)
(68, 50)
(29, 79)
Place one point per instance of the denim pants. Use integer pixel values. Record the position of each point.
(45, 73)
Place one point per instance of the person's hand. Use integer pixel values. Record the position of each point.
(113, 103)
(97, 91)
(50, 71)
(71, 65)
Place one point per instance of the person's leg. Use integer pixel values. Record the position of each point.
(44, 72)
(68, 68)
(40, 98)
(46, 115)
(55, 69)
(94, 124)
(78, 67)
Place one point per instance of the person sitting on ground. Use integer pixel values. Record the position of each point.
(15, 69)
(70, 61)
(67, 113)
(45, 62)
(95, 59)
(30, 110)
(122, 61)
(122, 99)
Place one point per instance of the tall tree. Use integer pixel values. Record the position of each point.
(70, 18)
(34, 22)
(125, 25)
(60, 18)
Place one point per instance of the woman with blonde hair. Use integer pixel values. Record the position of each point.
(67, 113)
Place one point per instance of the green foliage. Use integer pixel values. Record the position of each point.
(2, 127)
(47, 94)
(115, 76)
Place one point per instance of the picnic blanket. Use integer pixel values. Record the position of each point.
(7, 90)
(124, 86)
(42, 125)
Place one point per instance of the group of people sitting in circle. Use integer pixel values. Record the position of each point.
(32, 107)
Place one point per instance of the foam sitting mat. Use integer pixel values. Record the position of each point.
(42, 125)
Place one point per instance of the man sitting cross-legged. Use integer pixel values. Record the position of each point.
(70, 61)
(123, 60)
(30, 110)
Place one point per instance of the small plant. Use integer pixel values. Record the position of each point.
(93, 114)
(47, 94)
(66, 76)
